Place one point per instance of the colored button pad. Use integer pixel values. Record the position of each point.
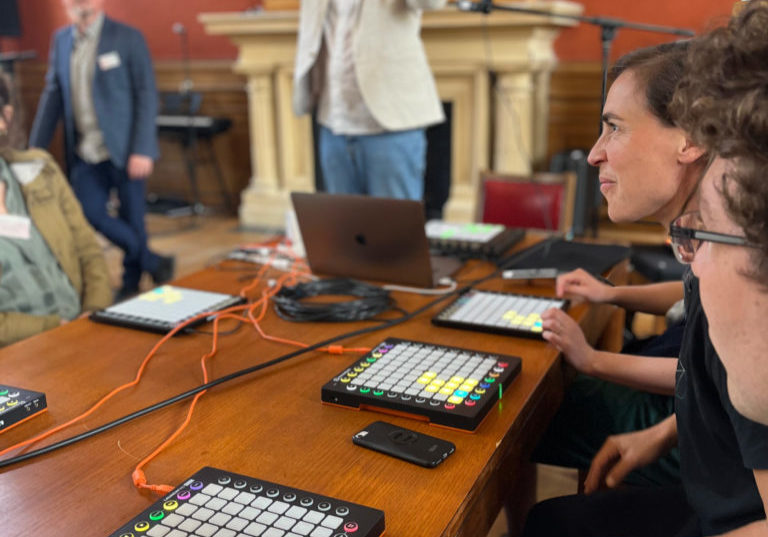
(17, 405)
(217, 503)
(505, 313)
(426, 379)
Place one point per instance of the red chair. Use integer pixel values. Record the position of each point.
(543, 201)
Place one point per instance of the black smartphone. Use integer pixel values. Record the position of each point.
(405, 444)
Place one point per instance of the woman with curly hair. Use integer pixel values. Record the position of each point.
(723, 103)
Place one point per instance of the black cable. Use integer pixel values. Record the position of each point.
(237, 374)
(372, 300)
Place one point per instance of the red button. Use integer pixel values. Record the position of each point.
(450, 406)
(351, 527)
(469, 402)
(503, 364)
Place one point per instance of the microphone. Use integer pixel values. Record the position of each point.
(186, 85)
(484, 6)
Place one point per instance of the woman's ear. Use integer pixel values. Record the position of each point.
(688, 153)
(8, 113)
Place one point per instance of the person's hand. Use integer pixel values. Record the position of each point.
(566, 335)
(3, 208)
(581, 283)
(139, 166)
(624, 453)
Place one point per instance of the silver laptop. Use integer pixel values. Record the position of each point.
(380, 239)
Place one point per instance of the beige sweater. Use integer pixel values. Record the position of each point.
(58, 216)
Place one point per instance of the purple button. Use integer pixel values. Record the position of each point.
(196, 485)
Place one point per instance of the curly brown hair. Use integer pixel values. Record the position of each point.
(722, 103)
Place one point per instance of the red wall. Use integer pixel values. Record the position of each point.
(155, 18)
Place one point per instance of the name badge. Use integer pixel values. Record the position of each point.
(14, 226)
(109, 60)
(26, 172)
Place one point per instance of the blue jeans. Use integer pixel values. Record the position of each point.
(92, 184)
(389, 165)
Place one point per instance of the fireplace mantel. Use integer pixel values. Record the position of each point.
(501, 127)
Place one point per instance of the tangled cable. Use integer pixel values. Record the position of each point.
(371, 301)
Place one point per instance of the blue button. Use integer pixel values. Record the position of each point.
(485, 385)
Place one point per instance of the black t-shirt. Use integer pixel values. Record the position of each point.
(719, 447)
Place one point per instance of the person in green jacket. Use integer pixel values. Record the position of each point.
(52, 268)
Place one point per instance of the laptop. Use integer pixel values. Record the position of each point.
(369, 238)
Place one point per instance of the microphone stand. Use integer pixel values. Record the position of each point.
(608, 26)
(608, 29)
(187, 99)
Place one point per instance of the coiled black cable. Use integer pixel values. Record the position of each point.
(371, 300)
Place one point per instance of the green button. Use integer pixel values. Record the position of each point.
(365, 390)
(156, 515)
(370, 360)
(489, 380)
(378, 392)
(3, 392)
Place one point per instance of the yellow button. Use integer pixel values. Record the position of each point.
(446, 391)
(423, 380)
(429, 374)
(455, 400)
(457, 379)
(479, 391)
(170, 505)
(466, 387)
(471, 382)
(536, 329)
(365, 364)
(431, 389)
(437, 382)
(377, 355)
(12, 403)
(452, 385)
(351, 374)
(345, 380)
(141, 526)
(359, 369)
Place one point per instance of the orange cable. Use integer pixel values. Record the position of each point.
(139, 374)
(138, 475)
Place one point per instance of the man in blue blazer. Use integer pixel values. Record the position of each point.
(100, 82)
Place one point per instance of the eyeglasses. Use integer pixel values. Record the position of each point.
(686, 236)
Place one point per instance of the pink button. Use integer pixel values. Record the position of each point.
(351, 527)
(469, 402)
(450, 406)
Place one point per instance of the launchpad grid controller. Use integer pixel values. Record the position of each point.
(17, 405)
(501, 313)
(216, 503)
(449, 386)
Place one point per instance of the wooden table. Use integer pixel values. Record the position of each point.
(269, 425)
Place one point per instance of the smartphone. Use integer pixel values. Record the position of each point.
(530, 274)
(405, 444)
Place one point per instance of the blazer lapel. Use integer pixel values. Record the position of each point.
(64, 59)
